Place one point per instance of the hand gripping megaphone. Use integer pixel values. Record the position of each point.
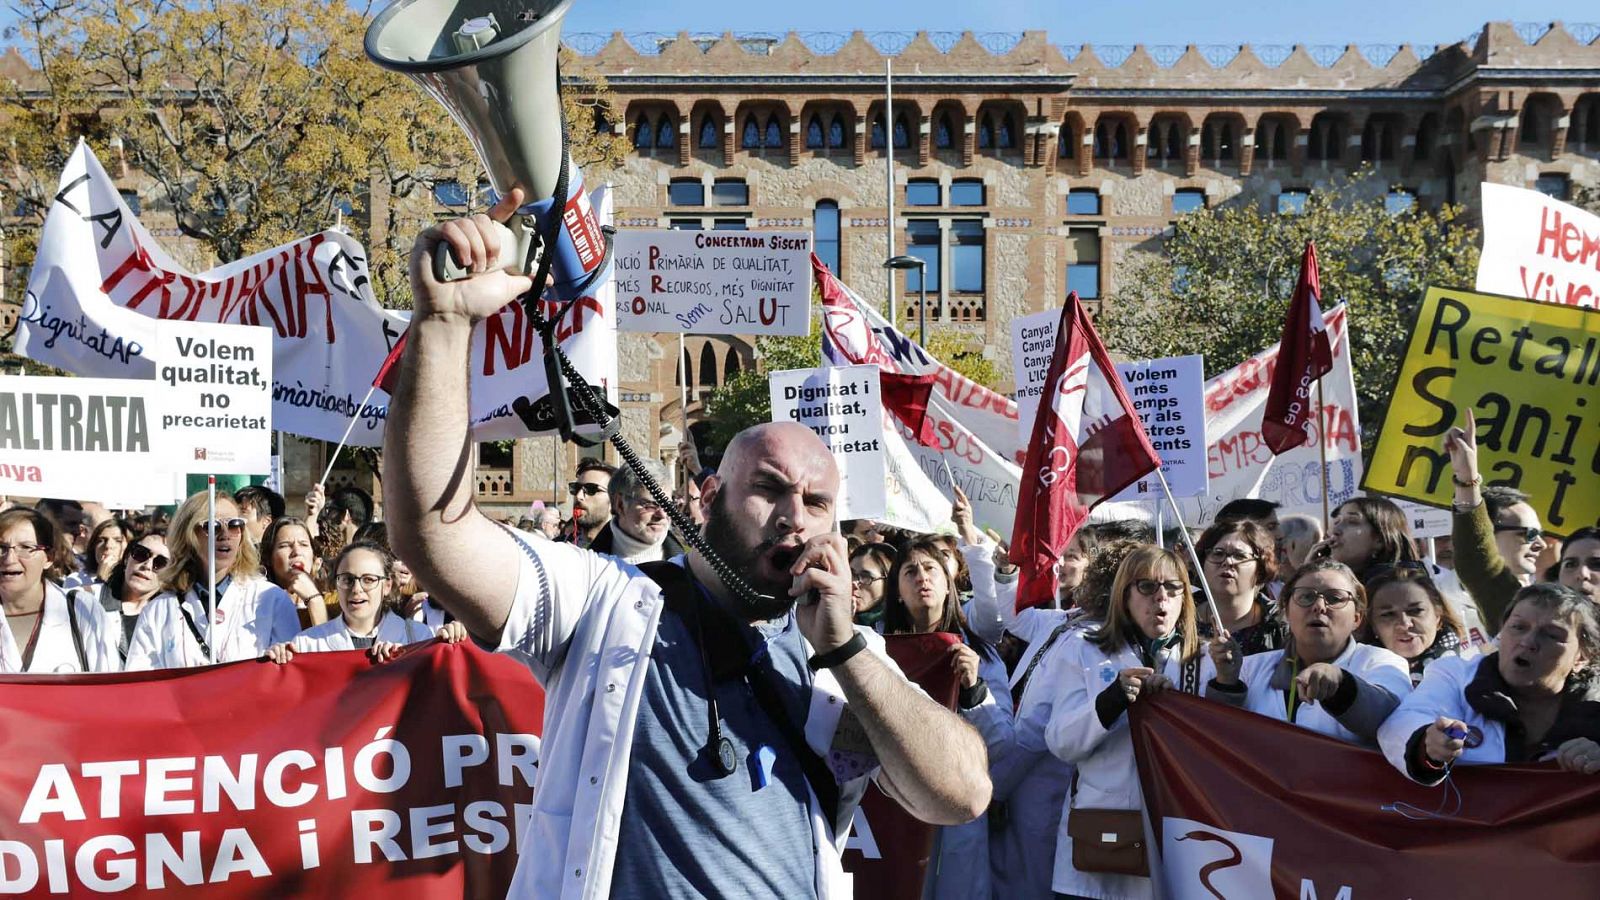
(492, 63)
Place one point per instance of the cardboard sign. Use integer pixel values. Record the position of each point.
(1530, 372)
(82, 437)
(1537, 247)
(217, 392)
(713, 282)
(1169, 395)
(844, 406)
(1033, 340)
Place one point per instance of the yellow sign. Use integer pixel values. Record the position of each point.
(1530, 372)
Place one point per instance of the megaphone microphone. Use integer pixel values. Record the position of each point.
(492, 65)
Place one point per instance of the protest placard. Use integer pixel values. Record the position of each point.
(844, 406)
(82, 437)
(713, 282)
(1169, 395)
(1529, 371)
(217, 400)
(1425, 521)
(1537, 247)
(1033, 340)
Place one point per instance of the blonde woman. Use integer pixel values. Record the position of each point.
(184, 626)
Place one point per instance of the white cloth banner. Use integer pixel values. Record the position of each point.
(100, 281)
(959, 409)
(1537, 247)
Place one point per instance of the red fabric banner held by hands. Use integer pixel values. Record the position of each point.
(328, 776)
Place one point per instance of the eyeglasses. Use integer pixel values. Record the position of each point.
(646, 504)
(1148, 587)
(1226, 558)
(866, 579)
(347, 582)
(1307, 597)
(139, 553)
(214, 525)
(588, 490)
(1529, 535)
(22, 549)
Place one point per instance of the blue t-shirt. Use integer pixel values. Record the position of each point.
(686, 832)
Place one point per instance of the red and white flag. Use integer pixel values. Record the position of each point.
(1087, 445)
(1304, 356)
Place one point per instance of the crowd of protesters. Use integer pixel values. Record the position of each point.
(1356, 634)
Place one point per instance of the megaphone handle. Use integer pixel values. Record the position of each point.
(513, 253)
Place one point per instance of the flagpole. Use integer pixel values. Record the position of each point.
(211, 568)
(1322, 444)
(888, 142)
(1194, 558)
(348, 428)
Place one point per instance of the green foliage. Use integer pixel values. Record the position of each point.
(956, 350)
(1222, 283)
(745, 400)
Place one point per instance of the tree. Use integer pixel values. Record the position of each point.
(954, 349)
(745, 400)
(1221, 284)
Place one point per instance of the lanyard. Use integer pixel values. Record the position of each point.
(1293, 701)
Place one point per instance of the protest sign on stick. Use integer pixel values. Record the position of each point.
(83, 437)
(1033, 342)
(1537, 247)
(1529, 371)
(713, 282)
(1169, 396)
(217, 381)
(844, 406)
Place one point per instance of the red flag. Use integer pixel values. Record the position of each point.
(1087, 445)
(388, 377)
(907, 397)
(1304, 355)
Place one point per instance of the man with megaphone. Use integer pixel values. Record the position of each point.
(705, 734)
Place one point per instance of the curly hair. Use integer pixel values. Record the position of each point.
(1093, 594)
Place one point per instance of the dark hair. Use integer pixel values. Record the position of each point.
(119, 575)
(1093, 593)
(260, 497)
(593, 464)
(123, 525)
(1497, 498)
(1125, 530)
(897, 619)
(385, 559)
(1251, 532)
(1246, 508)
(1389, 530)
(59, 558)
(355, 501)
(882, 552)
(1409, 573)
(376, 532)
(269, 539)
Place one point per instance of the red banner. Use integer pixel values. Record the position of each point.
(888, 849)
(1249, 808)
(328, 776)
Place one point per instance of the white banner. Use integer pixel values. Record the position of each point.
(713, 282)
(844, 406)
(1169, 396)
(90, 438)
(217, 402)
(1033, 343)
(1537, 247)
(100, 282)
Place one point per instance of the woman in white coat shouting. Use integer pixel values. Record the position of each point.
(1147, 644)
(185, 626)
(45, 630)
(364, 575)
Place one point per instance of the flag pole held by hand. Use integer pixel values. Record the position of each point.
(1194, 558)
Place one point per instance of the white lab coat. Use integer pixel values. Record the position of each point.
(1374, 665)
(55, 652)
(335, 635)
(431, 614)
(108, 623)
(253, 615)
(1443, 693)
(1108, 777)
(959, 867)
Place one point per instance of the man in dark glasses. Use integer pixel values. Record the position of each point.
(591, 500)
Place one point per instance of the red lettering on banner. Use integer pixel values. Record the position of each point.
(578, 217)
(1566, 241)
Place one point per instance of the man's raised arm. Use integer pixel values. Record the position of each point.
(468, 563)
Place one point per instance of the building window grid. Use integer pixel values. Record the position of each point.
(1083, 272)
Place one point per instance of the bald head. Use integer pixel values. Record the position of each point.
(794, 446)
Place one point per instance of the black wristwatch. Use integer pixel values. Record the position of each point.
(839, 654)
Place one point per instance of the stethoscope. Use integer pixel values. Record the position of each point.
(718, 749)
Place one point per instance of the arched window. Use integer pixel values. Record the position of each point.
(1174, 142)
(1007, 138)
(708, 132)
(666, 134)
(902, 134)
(644, 137)
(1102, 140)
(1119, 142)
(986, 133)
(814, 136)
(836, 136)
(750, 137)
(773, 138)
(688, 368)
(1531, 132)
(1225, 148)
(943, 134)
(825, 233)
(1067, 145)
(1327, 137)
(731, 365)
(708, 366)
(878, 136)
(1427, 136)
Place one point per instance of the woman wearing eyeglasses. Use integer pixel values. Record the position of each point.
(1410, 618)
(1533, 699)
(869, 581)
(45, 630)
(364, 576)
(1240, 559)
(1324, 679)
(134, 581)
(184, 626)
(1148, 643)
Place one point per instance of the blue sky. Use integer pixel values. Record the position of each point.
(1076, 22)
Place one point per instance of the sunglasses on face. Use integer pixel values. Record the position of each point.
(588, 490)
(217, 525)
(139, 553)
(1307, 597)
(1526, 535)
(1148, 587)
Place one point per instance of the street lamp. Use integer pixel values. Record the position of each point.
(921, 265)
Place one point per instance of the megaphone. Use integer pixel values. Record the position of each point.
(492, 64)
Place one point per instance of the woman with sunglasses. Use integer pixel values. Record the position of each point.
(1147, 643)
(45, 630)
(133, 582)
(1324, 679)
(1533, 699)
(1411, 619)
(364, 577)
(185, 626)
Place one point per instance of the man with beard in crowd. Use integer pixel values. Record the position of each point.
(591, 499)
(699, 739)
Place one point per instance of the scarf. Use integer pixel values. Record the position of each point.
(628, 550)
